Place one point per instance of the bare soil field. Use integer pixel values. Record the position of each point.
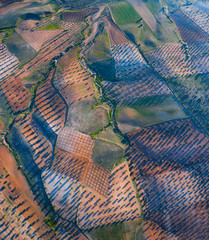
(15, 92)
(1, 126)
(17, 190)
(78, 16)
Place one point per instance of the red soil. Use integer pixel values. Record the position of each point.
(115, 34)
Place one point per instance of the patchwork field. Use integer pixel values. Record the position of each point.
(164, 166)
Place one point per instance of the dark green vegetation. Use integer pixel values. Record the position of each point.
(119, 231)
(20, 48)
(148, 111)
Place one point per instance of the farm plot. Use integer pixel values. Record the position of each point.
(78, 16)
(123, 12)
(51, 48)
(8, 62)
(40, 145)
(15, 93)
(6, 2)
(145, 13)
(167, 146)
(170, 61)
(9, 8)
(88, 116)
(164, 165)
(37, 38)
(50, 105)
(199, 17)
(128, 61)
(73, 81)
(114, 32)
(188, 29)
(69, 165)
(75, 142)
(121, 204)
(94, 210)
(147, 111)
(15, 189)
(192, 92)
(145, 84)
(173, 201)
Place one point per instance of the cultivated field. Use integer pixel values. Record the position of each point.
(8, 62)
(15, 93)
(50, 105)
(78, 16)
(94, 210)
(164, 159)
(37, 38)
(32, 135)
(190, 32)
(172, 60)
(72, 80)
(25, 209)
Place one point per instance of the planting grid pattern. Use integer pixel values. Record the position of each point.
(97, 178)
(75, 142)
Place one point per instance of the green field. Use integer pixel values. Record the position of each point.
(124, 13)
(84, 117)
(155, 109)
(51, 26)
(120, 231)
(101, 48)
(20, 48)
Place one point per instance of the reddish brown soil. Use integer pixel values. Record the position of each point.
(69, 165)
(17, 190)
(50, 104)
(1, 126)
(15, 92)
(115, 34)
(73, 82)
